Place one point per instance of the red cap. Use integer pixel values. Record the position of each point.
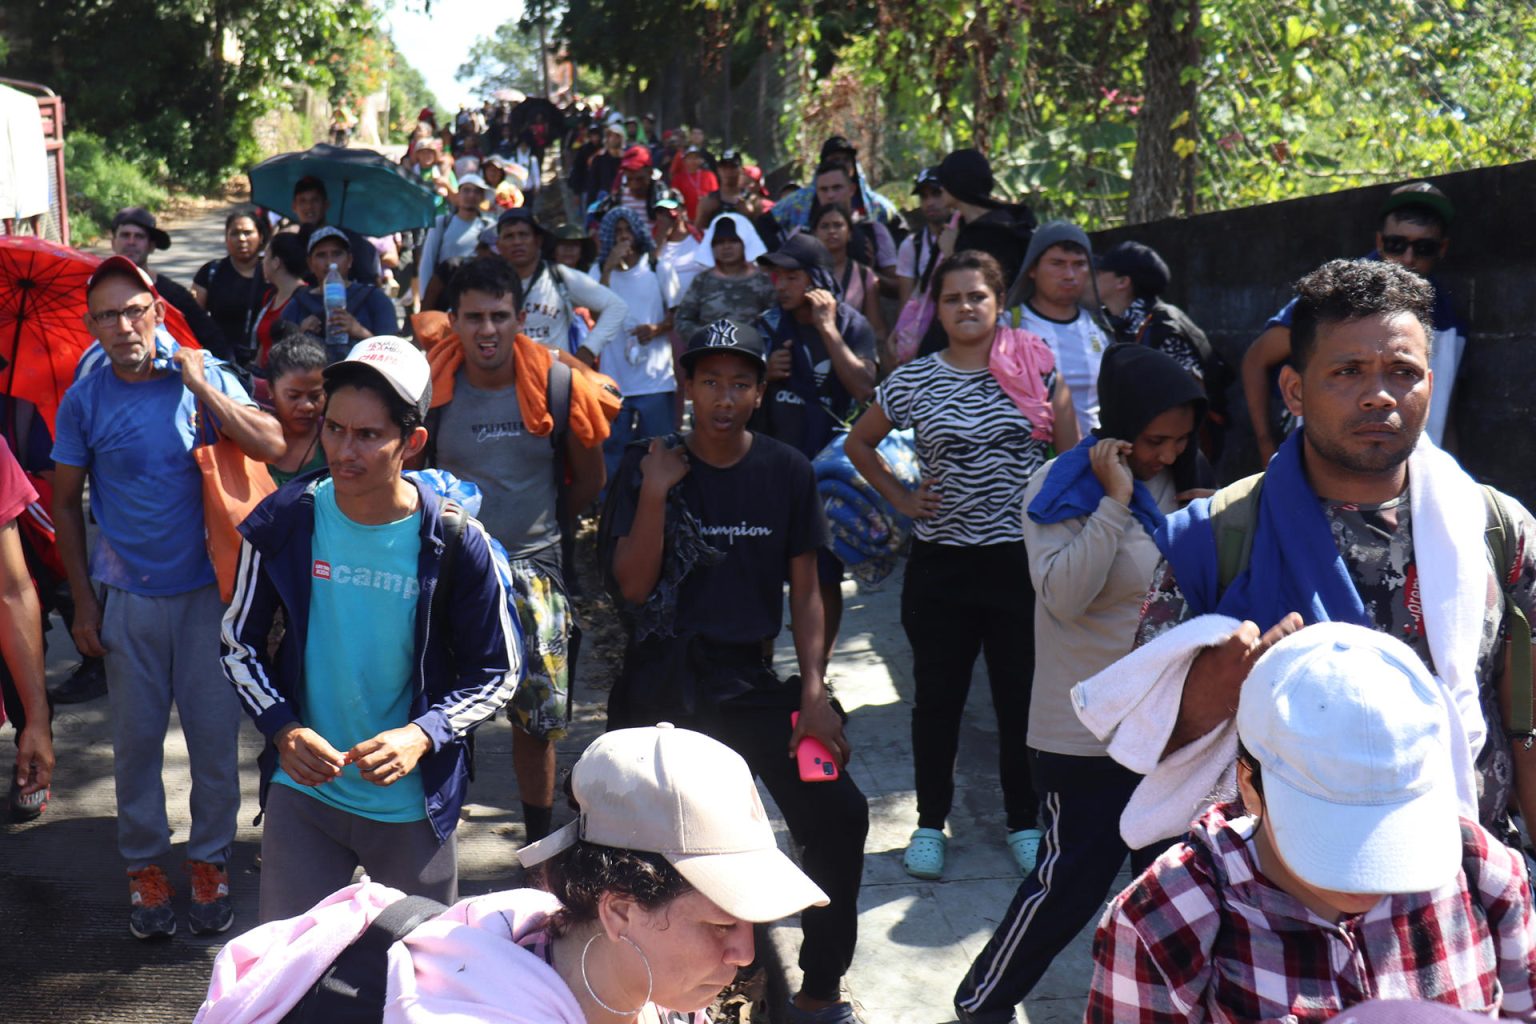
(120, 265)
(636, 158)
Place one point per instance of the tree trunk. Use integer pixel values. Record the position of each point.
(1160, 176)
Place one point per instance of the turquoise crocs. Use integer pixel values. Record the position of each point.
(1025, 845)
(925, 854)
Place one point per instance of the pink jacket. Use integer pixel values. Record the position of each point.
(470, 963)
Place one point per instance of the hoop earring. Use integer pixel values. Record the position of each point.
(649, 979)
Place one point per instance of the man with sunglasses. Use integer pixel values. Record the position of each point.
(147, 601)
(1413, 231)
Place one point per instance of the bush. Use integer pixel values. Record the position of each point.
(100, 183)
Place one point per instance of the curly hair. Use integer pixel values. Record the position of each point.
(578, 878)
(1343, 290)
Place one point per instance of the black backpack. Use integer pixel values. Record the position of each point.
(351, 991)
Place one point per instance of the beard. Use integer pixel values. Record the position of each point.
(1375, 459)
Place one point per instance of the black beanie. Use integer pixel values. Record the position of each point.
(966, 175)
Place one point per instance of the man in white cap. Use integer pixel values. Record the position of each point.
(1347, 873)
(398, 644)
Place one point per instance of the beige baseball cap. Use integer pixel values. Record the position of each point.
(691, 799)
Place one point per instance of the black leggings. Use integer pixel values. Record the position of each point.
(957, 603)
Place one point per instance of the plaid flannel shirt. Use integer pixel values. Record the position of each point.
(1202, 936)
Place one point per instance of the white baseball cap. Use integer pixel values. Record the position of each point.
(691, 799)
(402, 365)
(1353, 734)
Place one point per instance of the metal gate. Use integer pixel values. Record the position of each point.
(54, 224)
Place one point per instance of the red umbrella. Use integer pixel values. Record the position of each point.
(42, 325)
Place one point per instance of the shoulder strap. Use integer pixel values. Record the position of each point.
(454, 521)
(558, 397)
(433, 423)
(351, 991)
(1234, 513)
(1500, 537)
(565, 293)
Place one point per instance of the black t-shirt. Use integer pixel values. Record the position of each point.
(761, 512)
(602, 172)
(805, 410)
(233, 301)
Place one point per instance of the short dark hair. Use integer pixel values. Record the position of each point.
(1245, 756)
(1344, 290)
(357, 375)
(288, 248)
(1413, 213)
(310, 183)
(828, 166)
(580, 875)
(293, 351)
(489, 275)
(970, 259)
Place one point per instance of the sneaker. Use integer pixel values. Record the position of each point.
(86, 683)
(150, 893)
(211, 912)
(837, 1013)
(27, 806)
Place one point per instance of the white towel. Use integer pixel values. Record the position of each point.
(1143, 690)
(1134, 704)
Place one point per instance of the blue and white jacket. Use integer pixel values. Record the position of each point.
(467, 665)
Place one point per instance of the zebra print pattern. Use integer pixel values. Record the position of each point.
(972, 442)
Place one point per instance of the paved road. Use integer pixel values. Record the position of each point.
(70, 957)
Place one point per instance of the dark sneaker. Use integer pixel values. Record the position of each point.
(837, 1013)
(27, 806)
(150, 893)
(211, 912)
(88, 682)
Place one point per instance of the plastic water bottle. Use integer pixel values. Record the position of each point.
(337, 341)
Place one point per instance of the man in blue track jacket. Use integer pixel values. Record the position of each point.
(378, 678)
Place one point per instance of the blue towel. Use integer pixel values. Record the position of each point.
(1072, 491)
(867, 534)
(1295, 566)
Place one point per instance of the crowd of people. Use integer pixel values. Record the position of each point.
(1299, 704)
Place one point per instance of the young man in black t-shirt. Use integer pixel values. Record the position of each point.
(705, 531)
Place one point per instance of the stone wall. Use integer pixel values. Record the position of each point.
(1232, 270)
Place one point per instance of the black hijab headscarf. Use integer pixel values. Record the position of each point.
(1137, 385)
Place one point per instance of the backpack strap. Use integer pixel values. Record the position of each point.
(558, 396)
(1234, 514)
(454, 520)
(351, 991)
(433, 423)
(1501, 539)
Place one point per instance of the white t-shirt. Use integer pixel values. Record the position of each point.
(676, 267)
(907, 264)
(639, 369)
(972, 442)
(1078, 346)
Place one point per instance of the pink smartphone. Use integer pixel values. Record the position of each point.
(816, 762)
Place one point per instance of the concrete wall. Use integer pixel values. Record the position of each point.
(1232, 270)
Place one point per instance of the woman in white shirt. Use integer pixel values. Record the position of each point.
(640, 361)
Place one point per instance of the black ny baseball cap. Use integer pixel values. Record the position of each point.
(725, 336)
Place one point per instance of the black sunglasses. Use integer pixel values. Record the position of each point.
(1423, 248)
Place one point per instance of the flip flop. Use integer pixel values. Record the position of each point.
(925, 854)
(1025, 845)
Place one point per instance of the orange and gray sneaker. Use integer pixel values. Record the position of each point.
(211, 912)
(150, 893)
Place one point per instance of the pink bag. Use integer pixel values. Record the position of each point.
(913, 322)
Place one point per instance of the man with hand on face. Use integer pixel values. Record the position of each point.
(1358, 518)
(148, 599)
(821, 363)
(388, 661)
(705, 530)
(368, 310)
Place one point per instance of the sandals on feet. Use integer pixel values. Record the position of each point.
(925, 854)
(1025, 846)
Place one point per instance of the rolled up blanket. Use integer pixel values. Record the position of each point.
(868, 535)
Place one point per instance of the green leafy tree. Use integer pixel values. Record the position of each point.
(509, 58)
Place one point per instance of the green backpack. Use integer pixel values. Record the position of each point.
(1235, 510)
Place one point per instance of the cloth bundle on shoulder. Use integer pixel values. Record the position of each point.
(868, 535)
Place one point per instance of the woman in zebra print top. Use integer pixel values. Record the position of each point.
(985, 412)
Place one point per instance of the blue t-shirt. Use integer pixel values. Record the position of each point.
(135, 441)
(361, 651)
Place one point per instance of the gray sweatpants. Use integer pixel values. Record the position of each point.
(309, 849)
(160, 650)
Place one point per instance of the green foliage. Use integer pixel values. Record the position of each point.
(101, 182)
(408, 93)
(507, 59)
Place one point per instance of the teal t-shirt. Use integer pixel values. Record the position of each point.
(360, 653)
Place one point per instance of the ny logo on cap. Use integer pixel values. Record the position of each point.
(722, 334)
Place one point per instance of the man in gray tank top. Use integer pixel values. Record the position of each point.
(482, 435)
